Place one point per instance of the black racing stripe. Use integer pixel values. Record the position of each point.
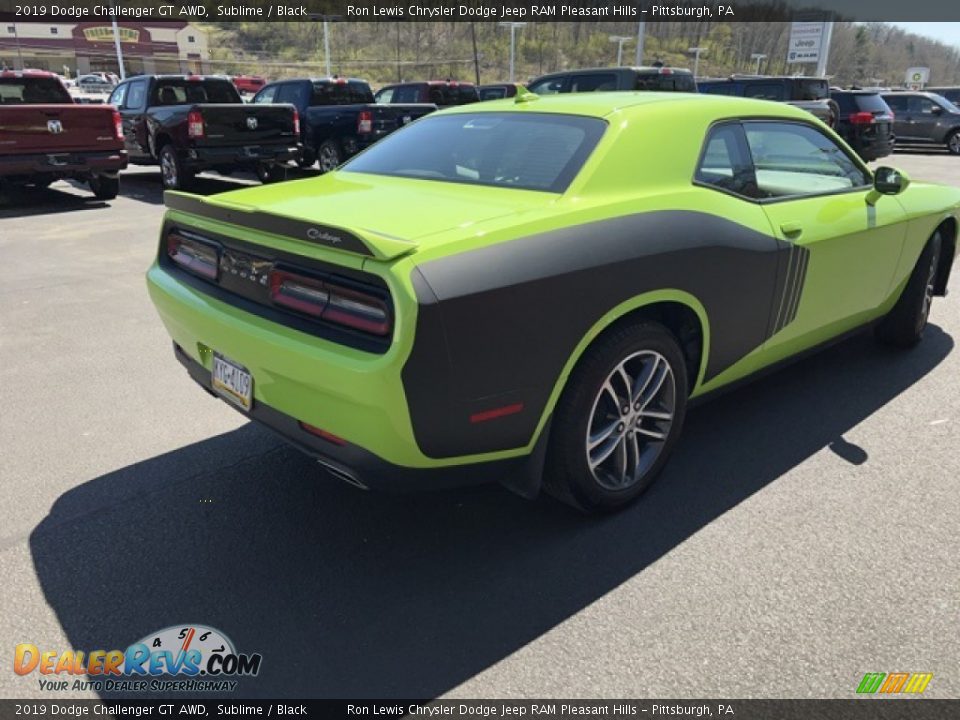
(799, 276)
(275, 224)
(786, 290)
(500, 322)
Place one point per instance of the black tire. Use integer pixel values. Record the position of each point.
(574, 472)
(329, 156)
(904, 324)
(104, 187)
(307, 159)
(173, 173)
(953, 142)
(271, 173)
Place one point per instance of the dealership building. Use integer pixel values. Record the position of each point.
(78, 48)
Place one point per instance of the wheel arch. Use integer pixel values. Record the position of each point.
(948, 251)
(159, 140)
(679, 311)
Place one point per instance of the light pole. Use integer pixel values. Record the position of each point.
(326, 36)
(19, 54)
(513, 40)
(116, 42)
(758, 57)
(827, 36)
(641, 29)
(620, 40)
(696, 59)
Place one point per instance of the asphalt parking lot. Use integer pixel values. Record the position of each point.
(805, 533)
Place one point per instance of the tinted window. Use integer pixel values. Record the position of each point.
(897, 103)
(346, 93)
(795, 159)
(406, 94)
(918, 104)
(725, 162)
(550, 86)
(717, 88)
(666, 82)
(860, 102)
(179, 92)
(764, 91)
(33, 91)
(266, 95)
(136, 95)
(533, 151)
(493, 93)
(595, 82)
(290, 93)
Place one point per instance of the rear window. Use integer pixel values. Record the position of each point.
(870, 103)
(346, 93)
(181, 92)
(666, 82)
(535, 151)
(594, 82)
(33, 91)
(765, 91)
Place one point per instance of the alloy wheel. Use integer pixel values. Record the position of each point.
(631, 420)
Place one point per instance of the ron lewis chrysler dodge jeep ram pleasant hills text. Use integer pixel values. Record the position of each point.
(530, 290)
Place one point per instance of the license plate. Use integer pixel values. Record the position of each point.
(232, 381)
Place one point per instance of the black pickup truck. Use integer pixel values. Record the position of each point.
(190, 123)
(338, 116)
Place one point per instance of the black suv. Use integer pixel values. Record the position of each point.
(663, 79)
(809, 93)
(924, 118)
(865, 122)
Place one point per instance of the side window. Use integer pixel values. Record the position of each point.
(795, 159)
(551, 86)
(118, 95)
(919, 104)
(897, 103)
(406, 94)
(725, 162)
(266, 95)
(384, 96)
(289, 93)
(764, 91)
(136, 95)
(593, 83)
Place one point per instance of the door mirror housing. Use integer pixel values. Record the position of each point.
(887, 181)
(936, 110)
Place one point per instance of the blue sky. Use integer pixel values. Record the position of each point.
(948, 32)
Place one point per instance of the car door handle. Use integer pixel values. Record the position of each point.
(791, 230)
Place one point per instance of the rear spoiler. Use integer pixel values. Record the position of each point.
(368, 243)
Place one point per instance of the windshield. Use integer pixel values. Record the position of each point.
(532, 151)
(32, 91)
(675, 82)
(947, 105)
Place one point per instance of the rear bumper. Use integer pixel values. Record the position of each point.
(873, 148)
(362, 468)
(66, 164)
(202, 158)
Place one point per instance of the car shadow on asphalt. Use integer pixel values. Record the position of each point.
(46, 201)
(354, 594)
(146, 186)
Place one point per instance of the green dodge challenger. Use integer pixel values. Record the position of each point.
(531, 290)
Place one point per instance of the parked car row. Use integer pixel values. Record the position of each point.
(187, 124)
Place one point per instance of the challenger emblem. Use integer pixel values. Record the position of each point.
(252, 123)
(316, 234)
(55, 126)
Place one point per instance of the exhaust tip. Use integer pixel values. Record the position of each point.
(343, 475)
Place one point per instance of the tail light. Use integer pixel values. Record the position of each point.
(117, 125)
(666, 71)
(861, 118)
(365, 122)
(334, 303)
(198, 257)
(296, 122)
(195, 127)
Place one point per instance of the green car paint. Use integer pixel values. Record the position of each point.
(855, 260)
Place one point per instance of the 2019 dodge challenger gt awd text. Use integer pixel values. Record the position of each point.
(530, 290)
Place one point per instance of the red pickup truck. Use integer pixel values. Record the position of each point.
(45, 136)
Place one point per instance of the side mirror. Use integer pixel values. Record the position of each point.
(887, 181)
(936, 110)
